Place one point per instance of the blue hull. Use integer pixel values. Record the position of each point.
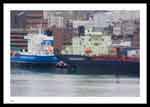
(34, 59)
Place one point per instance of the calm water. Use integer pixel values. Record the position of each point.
(31, 83)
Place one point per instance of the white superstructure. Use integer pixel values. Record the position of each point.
(39, 44)
(96, 42)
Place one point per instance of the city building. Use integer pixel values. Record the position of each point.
(23, 22)
(120, 15)
(117, 30)
(18, 19)
(18, 43)
(128, 28)
(102, 19)
(136, 37)
(18, 24)
(53, 20)
(123, 26)
(35, 19)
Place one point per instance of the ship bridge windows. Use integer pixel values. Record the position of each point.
(96, 44)
(89, 39)
(48, 33)
(47, 42)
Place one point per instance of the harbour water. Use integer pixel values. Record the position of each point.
(28, 82)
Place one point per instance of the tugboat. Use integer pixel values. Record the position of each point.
(40, 51)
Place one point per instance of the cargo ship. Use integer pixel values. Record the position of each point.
(93, 53)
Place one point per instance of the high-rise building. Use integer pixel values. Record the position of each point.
(120, 15)
(17, 39)
(18, 24)
(35, 19)
(102, 19)
(18, 19)
(136, 36)
(21, 24)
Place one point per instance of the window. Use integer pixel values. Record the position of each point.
(95, 44)
(102, 39)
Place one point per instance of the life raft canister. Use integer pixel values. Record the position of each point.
(50, 49)
(88, 50)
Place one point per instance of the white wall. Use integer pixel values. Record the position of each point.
(102, 19)
(80, 43)
(125, 15)
(54, 20)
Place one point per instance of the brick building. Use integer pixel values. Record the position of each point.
(21, 24)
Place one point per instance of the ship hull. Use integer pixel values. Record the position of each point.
(77, 65)
(84, 65)
(33, 61)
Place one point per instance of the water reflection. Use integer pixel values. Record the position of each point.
(29, 83)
